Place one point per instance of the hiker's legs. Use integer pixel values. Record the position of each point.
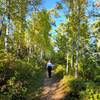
(49, 72)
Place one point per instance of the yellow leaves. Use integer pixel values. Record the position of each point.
(59, 69)
(18, 25)
(84, 17)
(36, 32)
(67, 78)
(40, 28)
(96, 26)
(51, 11)
(98, 43)
(82, 1)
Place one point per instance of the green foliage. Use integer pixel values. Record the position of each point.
(40, 28)
(92, 91)
(18, 81)
(78, 85)
(97, 80)
(59, 71)
(83, 90)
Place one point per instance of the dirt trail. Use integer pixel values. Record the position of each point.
(53, 89)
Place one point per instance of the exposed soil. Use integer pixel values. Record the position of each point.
(53, 89)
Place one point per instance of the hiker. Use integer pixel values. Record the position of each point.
(49, 68)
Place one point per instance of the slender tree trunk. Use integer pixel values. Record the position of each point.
(41, 54)
(77, 53)
(1, 23)
(30, 51)
(76, 68)
(67, 67)
(78, 42)
(72, 59)
(7, 26)
(6, 39)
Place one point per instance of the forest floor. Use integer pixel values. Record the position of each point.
(54, 89)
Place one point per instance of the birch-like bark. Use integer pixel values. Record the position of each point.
(67, 67)
(78, 42)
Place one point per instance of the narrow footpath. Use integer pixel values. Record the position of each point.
(53, 89)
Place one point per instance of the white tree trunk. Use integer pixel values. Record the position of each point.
(78, 42)
(72, 58)
(41, 54)
(67, 67)
(72, 61)
(76, 68)
(77, 52)
(6, 38)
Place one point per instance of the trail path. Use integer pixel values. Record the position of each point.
(52, 89)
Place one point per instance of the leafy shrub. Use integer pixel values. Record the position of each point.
(97, 80)
(77, 87)
(92, 91)
(59, 71)
(6, 70)
(18, 78)
(82, 90)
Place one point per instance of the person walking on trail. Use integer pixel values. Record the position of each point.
(49, 68)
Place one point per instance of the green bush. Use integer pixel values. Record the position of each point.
(59, 71)
(78, 87)
(97, 79)
(18, 78)
(82, 90)
(92, 91)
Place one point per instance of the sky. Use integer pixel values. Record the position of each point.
(49, 4)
